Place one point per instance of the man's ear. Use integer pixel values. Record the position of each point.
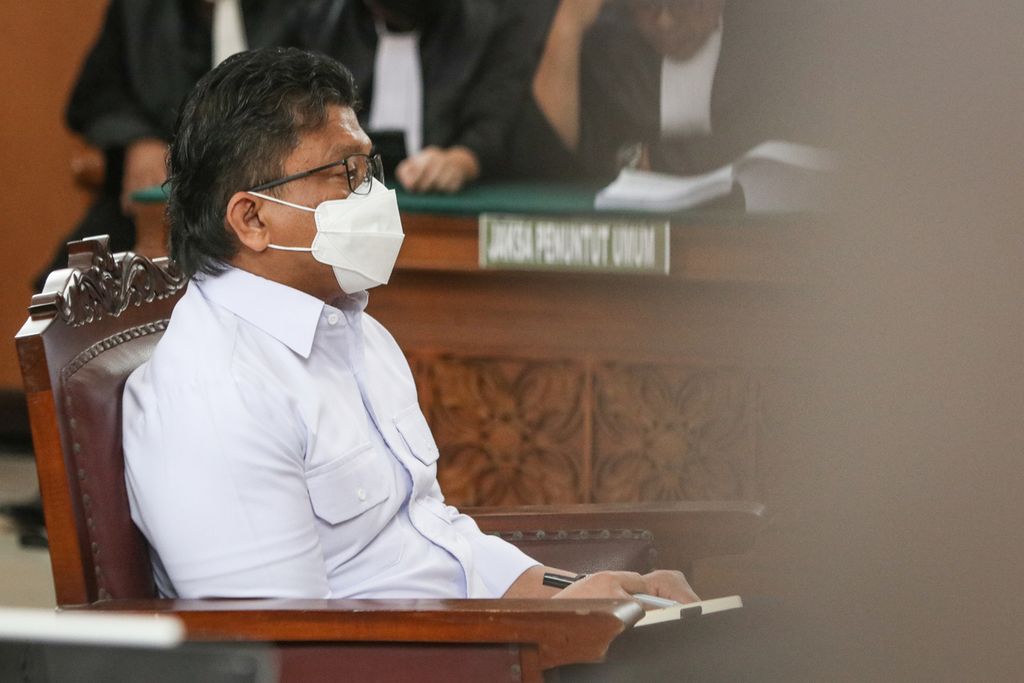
(243, 217)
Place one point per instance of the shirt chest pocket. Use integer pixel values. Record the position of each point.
(345, 488)
(416, 433)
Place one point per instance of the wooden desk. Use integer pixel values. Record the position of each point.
(460, 640)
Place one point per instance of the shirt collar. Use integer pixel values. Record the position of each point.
(288, 315)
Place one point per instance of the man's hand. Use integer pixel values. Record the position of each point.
(616, 585)
(661, 583)
(669, 584)
(145, 165)
(433, 169)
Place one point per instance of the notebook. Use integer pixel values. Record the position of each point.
(692, 609)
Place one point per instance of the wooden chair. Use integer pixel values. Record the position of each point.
(99, 319)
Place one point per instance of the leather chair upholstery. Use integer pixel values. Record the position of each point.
(116, 548)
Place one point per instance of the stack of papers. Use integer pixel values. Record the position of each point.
(775, 176)
(648, 191)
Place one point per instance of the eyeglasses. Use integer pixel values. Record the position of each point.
(361, 170)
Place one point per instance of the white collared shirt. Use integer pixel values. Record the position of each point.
(686, 87)
(227, 30)
(274, 447)
(397, 102)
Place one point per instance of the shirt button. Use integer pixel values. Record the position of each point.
(361, 494)
(332, 319)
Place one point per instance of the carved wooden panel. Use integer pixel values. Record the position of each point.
(557, 431)
(509, 431)
(675, 433)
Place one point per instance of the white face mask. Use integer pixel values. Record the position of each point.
(359, 236)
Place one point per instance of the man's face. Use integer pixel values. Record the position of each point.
(677, 28)
(339, 137)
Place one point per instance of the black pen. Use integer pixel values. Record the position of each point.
(562, 581)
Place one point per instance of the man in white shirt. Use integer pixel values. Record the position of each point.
(274, 446)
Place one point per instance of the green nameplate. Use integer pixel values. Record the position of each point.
(615, 245)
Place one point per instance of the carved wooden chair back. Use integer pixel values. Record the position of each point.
(93, 324)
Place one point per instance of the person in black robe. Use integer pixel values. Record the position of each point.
(476, 56)
(147, 57)
(767, 85)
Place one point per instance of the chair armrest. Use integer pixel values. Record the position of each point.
(545, 625)
(683, 531)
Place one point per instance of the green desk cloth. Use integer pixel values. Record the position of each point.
(150, 195)
(504, 198)
(528, 198)
(475, 199)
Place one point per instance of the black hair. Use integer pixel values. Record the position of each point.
(234, 131)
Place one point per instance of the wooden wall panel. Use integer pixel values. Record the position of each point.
(514, 432)
(510, 431)
(676, 433)
(568, 387)
(43, 45)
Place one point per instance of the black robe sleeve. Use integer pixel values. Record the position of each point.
(102, 106)
(492, 98)
(618, 98)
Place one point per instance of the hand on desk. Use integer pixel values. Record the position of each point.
(610, 584)
(661, 583)
(434, 169)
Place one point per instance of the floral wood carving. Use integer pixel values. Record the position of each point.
(676, 433)
(515, 432)
(103, 284)
(509, 432)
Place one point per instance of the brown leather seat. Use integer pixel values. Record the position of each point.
(99, 319)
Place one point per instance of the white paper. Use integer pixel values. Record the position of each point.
(648, 191)
(776, 176)
(130, 630)
(784, 176)
(686, 86)
(692, 609)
